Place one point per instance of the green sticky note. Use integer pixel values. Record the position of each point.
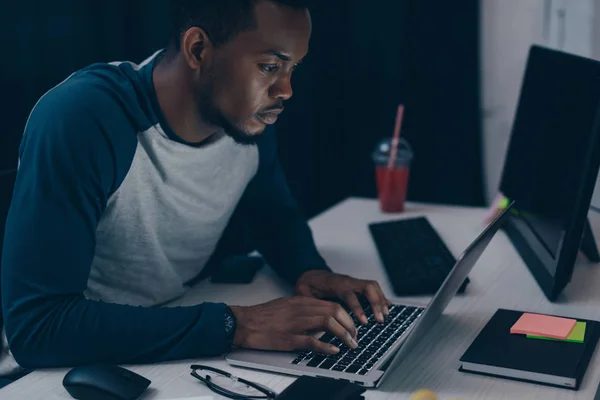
(576, 335)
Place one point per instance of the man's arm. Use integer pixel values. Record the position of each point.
(283, 235)
(285, 239)
(69, 165)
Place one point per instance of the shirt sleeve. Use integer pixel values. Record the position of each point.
(74, 153)
(282, 234)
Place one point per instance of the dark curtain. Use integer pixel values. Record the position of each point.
(366, 57)
(44, 41)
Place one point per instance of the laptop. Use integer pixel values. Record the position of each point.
(381, 347)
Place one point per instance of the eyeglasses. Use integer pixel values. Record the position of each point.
(230, 386)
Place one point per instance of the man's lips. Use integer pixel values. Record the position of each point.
(269, 117)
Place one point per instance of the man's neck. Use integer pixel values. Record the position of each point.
(178, 105)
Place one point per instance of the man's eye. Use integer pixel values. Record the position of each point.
(269, 67)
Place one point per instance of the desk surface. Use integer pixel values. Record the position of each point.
(499, 280)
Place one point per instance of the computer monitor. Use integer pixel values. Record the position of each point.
(552, 163)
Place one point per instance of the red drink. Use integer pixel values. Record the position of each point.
(392, 185)
(392, 175)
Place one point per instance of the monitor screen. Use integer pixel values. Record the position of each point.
(546, 160)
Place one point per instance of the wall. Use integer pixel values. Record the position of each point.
(509, 28)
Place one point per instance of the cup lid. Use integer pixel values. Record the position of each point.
(383, 149)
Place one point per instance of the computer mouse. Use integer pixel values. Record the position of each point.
(104, 382)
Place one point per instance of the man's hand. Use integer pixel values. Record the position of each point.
(286, 324)
(321, 284)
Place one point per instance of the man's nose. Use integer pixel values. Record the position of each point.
(282, 89)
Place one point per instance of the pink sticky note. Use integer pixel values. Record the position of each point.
(543, 325)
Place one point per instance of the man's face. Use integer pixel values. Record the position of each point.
(248, 79)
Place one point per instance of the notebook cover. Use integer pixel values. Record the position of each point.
(496, 346)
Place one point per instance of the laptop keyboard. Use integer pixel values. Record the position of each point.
(374, 340)
(414, 256)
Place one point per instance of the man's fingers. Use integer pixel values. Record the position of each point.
(347, 336)
(383, 300)
(322, 307)
(384, 303)
(372, 295)
(328, 324)
(352, 302)
(328, 308)
(343, 318)
(303, 342)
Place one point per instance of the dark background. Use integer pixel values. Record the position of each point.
(366, 57)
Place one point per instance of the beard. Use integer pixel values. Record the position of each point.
(214, 116)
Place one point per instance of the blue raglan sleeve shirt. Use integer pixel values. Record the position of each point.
(70, 163)
(72, 159)
(282, 235)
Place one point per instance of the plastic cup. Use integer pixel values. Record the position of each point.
(392, 183)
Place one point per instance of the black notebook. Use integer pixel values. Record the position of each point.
(497, 352)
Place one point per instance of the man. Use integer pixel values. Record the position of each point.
(130, 175)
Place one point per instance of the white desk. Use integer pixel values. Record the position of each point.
(499, 280)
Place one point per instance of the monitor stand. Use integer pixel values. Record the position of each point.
(588, 244)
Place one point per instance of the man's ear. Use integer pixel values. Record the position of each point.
(196, 47)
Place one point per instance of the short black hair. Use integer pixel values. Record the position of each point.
(222, 20)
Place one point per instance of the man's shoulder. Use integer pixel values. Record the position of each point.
(104, 101)
(92, 111)
(104, 91)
